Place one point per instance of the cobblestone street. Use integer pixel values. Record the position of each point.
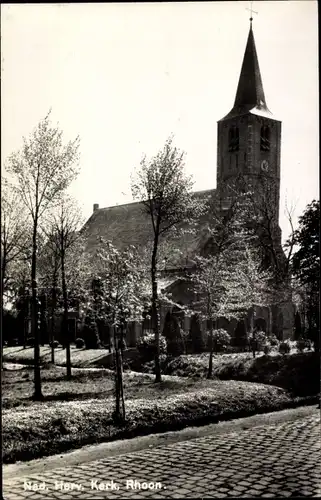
(279, 460)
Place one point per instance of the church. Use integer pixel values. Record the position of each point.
(248, 146)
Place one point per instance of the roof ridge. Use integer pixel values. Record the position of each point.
(139, 202)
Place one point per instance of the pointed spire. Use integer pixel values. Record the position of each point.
(250, 93)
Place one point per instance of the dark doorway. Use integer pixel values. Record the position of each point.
(72, 329)
(260, 325)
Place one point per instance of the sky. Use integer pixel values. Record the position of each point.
(125, 76)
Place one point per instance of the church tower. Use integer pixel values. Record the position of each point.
(249, 137)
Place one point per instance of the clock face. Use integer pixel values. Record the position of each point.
(264, 165)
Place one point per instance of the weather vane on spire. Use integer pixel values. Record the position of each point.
(252, 11)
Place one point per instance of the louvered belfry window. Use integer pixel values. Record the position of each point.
(233, 139)
(265, 138)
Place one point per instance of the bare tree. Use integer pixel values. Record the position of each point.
(42, 169)
(166, 195)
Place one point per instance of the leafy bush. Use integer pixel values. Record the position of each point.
(54, 344)
(308, 344)
(284, 347)
(80, 343)
(147, 348)
(221, 339)
(300, 344)
(257, 340)
(274, 341)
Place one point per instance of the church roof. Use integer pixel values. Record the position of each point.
(250, 96)
(129, 224)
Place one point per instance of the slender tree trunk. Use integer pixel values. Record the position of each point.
(253, 334)
(121, 371)
(155, 315)
(26, 319)
(117, 415)
(65, 316)
(3, 270)
(38, 396)
(110, 339)
(117, 408)
(3, 273)
(210, 363)
(25, 327)
(53, 310)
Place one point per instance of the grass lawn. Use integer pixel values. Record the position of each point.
(78, 412)
(79, 357)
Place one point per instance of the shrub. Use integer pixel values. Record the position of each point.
(54, 344)
(147, 348)
(313, 335)
(196, 334)
(258, 340)
(80, 343)
(300, 344)
(274, 341)
(31, 342)
(308, 344)
(284, 347)
(221, 340)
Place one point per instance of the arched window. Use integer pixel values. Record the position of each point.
(233, 139)
(265, 138)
